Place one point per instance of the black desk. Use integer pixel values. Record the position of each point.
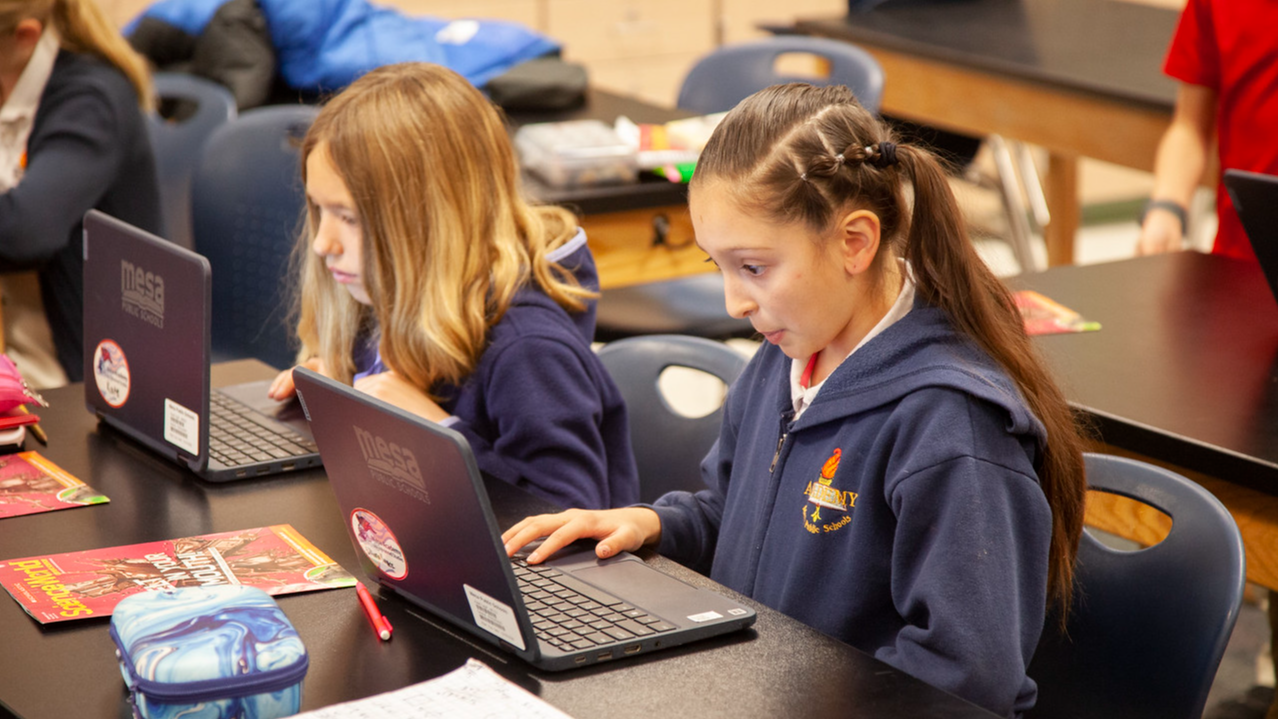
(779, 668)
(1078, 77)
(1182, 372)
(1183, 368)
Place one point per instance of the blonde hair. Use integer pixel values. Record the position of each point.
(84, 28)
(447, 237)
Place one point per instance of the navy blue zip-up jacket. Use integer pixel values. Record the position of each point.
(901, 513)
(540, 411)
(88, 149)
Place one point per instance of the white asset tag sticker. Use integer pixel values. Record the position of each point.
(181, 427)
(705, 616)
(494, 616)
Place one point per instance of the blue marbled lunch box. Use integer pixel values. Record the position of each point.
(209, 653)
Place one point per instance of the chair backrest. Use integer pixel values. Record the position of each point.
(247, 206)
(729, 74)
(669, 447)
(177, 142)
(1148, 627)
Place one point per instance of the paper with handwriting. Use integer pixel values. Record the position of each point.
(472, 690)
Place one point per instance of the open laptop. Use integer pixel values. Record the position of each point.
(1256, 200)
(418, 514)
(147, 333)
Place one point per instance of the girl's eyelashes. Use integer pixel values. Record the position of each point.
(753, 270)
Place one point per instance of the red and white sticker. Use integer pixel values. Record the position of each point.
(379, 543)
(111, 372)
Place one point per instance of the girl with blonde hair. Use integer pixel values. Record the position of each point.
(897, 403)
(427, 281)
(72, 137)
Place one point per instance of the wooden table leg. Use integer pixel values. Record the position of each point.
(1062, 191)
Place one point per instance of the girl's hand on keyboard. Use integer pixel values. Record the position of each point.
(281, 388)
(619, 530)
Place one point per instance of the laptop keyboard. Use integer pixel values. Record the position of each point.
(240, 435)
(570, 614)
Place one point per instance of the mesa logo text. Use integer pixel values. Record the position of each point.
(392, 465)
(142, 294)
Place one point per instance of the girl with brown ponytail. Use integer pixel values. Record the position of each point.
(72, 137)
(897, 403)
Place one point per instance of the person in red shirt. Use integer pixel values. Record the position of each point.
(1223, 53)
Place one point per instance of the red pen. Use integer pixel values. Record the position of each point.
(379, 622)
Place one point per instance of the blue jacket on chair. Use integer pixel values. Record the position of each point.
(324, 45)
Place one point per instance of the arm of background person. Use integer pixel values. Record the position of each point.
(1179, 166)
(74, 157)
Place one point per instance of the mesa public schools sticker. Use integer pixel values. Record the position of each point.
(494, 616)
(379, 543)
(181, 427)
(111, 373)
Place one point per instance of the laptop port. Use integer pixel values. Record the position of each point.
(603, 655)
(579, 660)
(632, 649)
(242, 473)
(263, 470)
(287, 467)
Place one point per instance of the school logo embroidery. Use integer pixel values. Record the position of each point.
(824, 496)
(392, 465)
(142, 294)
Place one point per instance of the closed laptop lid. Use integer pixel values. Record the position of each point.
(146, 337)
(416, 509)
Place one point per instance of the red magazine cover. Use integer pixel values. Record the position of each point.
(1046, 317)
(81, 585)
(30, 484)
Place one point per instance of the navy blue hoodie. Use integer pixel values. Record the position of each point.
(901, 513)
(540, 411)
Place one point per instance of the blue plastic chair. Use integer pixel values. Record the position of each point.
(669, 447)
(247, 208)
(731, 73)
(725, 77)
(1149, 627)
(177, 143)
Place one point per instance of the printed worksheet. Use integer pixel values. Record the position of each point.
(473, 690)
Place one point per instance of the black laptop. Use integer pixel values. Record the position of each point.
(147, 333)
(417, 512)
(1256, 200)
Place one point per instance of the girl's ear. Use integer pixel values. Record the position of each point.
(28, 33)
(858, 240)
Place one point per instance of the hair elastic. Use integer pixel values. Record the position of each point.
(887, 155)
(839, 159)
(803, 176)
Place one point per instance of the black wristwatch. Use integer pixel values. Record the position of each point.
(1172, 206)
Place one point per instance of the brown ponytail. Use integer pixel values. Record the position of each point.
(85, 28)
(822, 154)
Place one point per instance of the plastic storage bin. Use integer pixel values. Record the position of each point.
(576, 153)
(209, 652)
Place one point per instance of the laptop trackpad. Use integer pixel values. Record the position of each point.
(646, 588)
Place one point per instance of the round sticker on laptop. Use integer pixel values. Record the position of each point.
(111, 371)
(379, 543)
